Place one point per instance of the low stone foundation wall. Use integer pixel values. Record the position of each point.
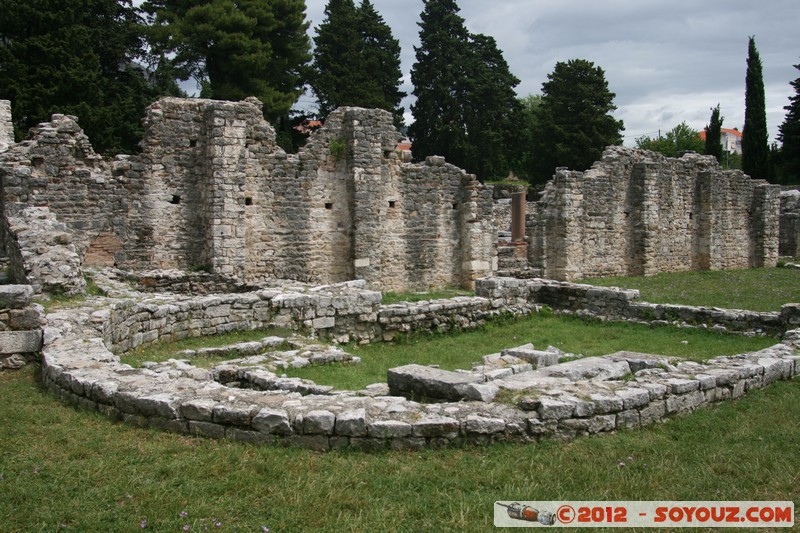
(608, 303)
(562, 401)
(20, 327)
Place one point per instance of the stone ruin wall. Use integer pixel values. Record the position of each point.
(638, 213)
(790, 224)
(211, 188)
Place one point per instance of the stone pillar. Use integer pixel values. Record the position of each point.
(518, 217)
(6, 125)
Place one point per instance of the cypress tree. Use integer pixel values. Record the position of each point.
(790, 137)
(574, 122)
(713, 144)
(466, 105)
(439, 76)
(755, 147)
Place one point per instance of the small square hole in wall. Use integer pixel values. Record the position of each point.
(328, 205)
(176, 200)
(691, 216)
(392, 204)
(455, 206)
(192, 143)
(248, 201)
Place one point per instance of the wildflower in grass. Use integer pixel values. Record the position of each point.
(143, 523)
(621, 464)
(186, 527)
(184, 514)
(265, 529)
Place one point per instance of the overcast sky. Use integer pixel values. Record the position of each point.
(668, 61)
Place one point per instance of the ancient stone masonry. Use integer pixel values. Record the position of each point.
(21, 325)
(790, 224)
(520, 394)
(6, 126)
(212, 189)
(638, 213)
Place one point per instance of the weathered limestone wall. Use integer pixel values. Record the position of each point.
(20, 327)
(6, 126)
(212, 188)
(790, 224)
(639, 213)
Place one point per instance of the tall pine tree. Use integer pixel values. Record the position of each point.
(574, 122)
(440, 77)
(356, 60)
(466, 104)
(713, 144)
(77, 58)
(236, 49)
(790, 137)
(755, 147)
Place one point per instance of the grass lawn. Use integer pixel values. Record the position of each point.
(68, 470)
(568, 334)
(758, 289)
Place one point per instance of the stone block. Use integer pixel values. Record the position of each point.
(15, 296)
(551, 409)
(201, 410)
(425, 382)
(352, 423)
(272, 421)
(319, 422)
(677, 403)
(606, 404)
(389, 429)
(436, 427)
(484, 426)
(18, 342)
(653, 412)
(633, 398)
(628, 419)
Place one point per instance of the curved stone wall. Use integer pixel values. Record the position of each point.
(564, 401)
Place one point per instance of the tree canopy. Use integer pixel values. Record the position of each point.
(573, 122)
(236, 49)
(755, 147)
(356, 60)
(790, 137)
(77, 58)
(681, 138)
(466, 104)
(713, 143)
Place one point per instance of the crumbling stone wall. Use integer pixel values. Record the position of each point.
(212, 189)
(20, 327)
(638, 213)
(6, 126)
(790, 224)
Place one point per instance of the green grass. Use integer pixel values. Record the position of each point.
(67, 470)
(162, 351)
(568, 334)
(759, 289)
(400, 297)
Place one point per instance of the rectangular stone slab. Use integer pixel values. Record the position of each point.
(426, 382)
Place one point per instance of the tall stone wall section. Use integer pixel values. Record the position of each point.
(639, 213)
(21, 325)
(6, 125)
(790, 224)
(211, 188)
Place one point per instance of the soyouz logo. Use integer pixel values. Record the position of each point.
(554, 514)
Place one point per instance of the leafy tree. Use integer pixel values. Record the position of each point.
(679, 139)
(77, 58)
(236, 49)
(466, 105)
(713, 144)
(755, 148)
(790, 137)
(356, 60)
(523, 163)
(574, 122)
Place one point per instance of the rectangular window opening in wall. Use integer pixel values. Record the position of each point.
(455, 206)
(387, 154)
(192, 143)
(328, 205)
(176, 199)
(392, 204)
(248, 201)
(691, 216)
